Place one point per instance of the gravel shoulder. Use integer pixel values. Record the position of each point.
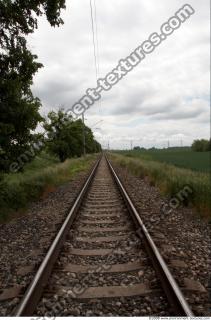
(183, 238)
(25, 240)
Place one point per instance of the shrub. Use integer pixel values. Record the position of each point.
(201, 145)
(18, 190)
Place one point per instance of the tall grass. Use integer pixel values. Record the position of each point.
(171, 180)
(18, 190)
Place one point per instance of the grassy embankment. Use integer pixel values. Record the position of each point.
(171, 180)
(40, 176)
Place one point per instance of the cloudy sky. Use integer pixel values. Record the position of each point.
(166, 97)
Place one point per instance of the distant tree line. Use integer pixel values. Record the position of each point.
(138, 148)
(201, 145)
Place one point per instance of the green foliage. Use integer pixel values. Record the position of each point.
(43, 173)
(138, 148)
(65, 136)
(43, 160)
(20, 17)
(182, 157)
(201, 145)
(19, 108)
(172, 180)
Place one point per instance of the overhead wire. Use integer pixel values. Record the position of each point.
(93, 39)
(98, 55)
(96, 32)
(93, 12)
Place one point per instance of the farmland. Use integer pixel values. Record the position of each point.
(179, 157)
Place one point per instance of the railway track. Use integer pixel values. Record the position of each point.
(103, 260)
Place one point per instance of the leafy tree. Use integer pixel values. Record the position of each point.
(19, 108)
(201, 145)
(65, 136)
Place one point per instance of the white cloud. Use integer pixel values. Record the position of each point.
(164, 98)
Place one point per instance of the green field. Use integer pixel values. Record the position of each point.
(180, 157)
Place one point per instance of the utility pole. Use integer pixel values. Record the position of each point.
(168, 144)
(84, 138)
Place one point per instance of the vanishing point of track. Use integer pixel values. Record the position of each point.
(103, 260)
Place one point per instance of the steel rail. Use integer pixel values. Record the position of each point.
(171, 288)
(34, 292)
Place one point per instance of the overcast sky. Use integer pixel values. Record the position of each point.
(166, 97)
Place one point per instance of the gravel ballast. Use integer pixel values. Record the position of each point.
(24, 241)
(180, 235)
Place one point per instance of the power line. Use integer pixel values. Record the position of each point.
(96, 32)
(131, 144)
(95, 43)
(93, 39)
(93, 11)
(97, 51)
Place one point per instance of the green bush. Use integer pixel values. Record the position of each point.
(18, 190)
(202, 145)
